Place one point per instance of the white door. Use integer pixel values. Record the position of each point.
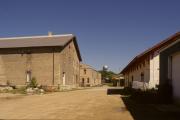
(64, 78)
(28, 76)
(176, 75)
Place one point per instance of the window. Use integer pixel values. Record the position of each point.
(82, 80)
(132, 78)
(142, 77)
(76, 79)
(84, 71)
(87, 80)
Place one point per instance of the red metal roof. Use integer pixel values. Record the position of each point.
(158, 46)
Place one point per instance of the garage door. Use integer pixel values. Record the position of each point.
(176, 74)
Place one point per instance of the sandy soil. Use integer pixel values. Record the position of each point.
(89, 104)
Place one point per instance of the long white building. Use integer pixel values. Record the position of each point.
(143, 72)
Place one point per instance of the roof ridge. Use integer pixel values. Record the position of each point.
(41, 36)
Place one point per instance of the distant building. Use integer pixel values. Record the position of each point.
(89, 76)
(144, 70)
(118, 80)
(52, 60)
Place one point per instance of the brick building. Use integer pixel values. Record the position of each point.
(52, 60)
(89, 76)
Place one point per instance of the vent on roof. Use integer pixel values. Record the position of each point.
(50, 34)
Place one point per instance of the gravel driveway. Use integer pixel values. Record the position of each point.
(89, 104)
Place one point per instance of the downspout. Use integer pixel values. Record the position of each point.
(53, 68)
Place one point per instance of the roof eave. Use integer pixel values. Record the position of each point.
(155, 47)
(77, 48)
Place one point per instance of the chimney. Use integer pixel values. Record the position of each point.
(50, 34)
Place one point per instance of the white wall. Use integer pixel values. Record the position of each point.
(139, 85)
(136, 73)
(154, 70)
(151, 73)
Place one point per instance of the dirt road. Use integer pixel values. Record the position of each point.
(90, 104)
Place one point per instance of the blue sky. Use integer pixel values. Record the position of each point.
(109, 32)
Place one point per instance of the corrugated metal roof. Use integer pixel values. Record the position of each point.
(39, 41)
(35, 41)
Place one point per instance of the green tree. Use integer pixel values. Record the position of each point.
(107, 74)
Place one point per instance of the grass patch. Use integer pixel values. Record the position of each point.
(21, 90)
(108, 84)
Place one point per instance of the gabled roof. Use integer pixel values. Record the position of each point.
(35, 41)
(158, 46)
(83, 65)
(39, 41)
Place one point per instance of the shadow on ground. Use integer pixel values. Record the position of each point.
(143, 111)
(114, 91)
(152, 111)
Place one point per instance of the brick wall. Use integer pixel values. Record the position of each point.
(47, 65)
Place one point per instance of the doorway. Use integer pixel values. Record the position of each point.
(64, 78)
(28, 76)
(175, 76)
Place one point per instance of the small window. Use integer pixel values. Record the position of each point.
(142, 77)
(82, 80)
(84, 71)
(87, 80)
(132, 78)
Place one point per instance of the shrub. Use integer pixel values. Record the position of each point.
(127, 91)
(21, 90)
(33, 83)
(148, 96)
